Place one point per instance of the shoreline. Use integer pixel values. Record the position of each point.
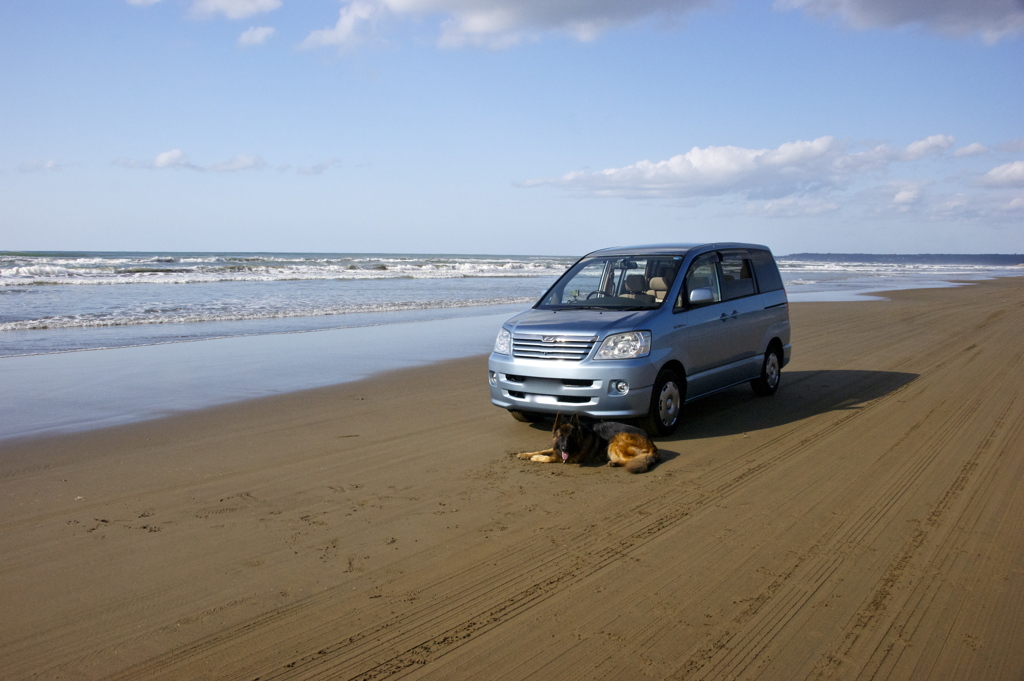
(868, 512)
(83, 390)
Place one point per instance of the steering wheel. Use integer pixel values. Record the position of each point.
(595, 294)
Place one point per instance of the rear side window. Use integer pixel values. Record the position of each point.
(768, 277)
(737, 277)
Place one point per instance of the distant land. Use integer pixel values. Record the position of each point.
(989, 259)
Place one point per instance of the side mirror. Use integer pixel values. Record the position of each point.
(701, 296)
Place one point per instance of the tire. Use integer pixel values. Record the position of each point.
(771, 374)
(667, 398)
(526, 416)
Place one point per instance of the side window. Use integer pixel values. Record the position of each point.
(632, 281)
(703, 273)
(737, 277)
(767, 271)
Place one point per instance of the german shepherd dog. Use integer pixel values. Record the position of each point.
(578, 441)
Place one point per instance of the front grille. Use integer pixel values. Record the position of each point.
(571, 348)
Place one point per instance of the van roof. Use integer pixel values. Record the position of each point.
(670, 249)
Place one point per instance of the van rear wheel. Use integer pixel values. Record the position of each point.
(771, 374)
(666, 408)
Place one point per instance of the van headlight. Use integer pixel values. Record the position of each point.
(503, 343)
(625, 345)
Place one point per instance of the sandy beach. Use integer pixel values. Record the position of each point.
(864, 523)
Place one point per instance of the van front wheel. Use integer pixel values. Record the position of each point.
(771, 374)
(666, 408)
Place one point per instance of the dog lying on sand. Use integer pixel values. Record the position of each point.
(577, 441)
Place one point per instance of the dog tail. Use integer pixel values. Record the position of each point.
(642, 463)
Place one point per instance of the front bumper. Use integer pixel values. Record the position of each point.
(586, 387)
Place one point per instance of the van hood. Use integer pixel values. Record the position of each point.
(579, 322)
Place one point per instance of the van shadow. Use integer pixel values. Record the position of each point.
(802, 394)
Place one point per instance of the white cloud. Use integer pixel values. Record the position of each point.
(502, 23)
(971, 150)
(39, 166)
(233, 9)
(163, 160)
(346, 31)
(1006, 175)
(977, 208)
(176, 159)
(256, 35)
(792, 168)
(903, 196)
(794, 207)
(318, 168)
(907, 193)
(238, 163)
(993, 20)
(953, 204)
(928, 146)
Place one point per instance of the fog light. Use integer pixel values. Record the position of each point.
(492, 377)
(620, 387)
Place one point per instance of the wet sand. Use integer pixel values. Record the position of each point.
(862, 523)
(77, 391)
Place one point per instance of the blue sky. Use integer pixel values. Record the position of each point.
(511, 126)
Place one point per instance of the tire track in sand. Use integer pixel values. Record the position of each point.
(892, 641)
(492, 592)
(739, 648)
(484, 596)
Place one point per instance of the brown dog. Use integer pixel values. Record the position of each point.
(576, 441)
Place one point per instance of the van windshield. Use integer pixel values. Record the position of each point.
(614, 283)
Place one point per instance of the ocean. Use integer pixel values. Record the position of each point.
(64, 301)
(60, 302)
(89, 340)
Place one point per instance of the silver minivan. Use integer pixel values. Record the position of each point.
(638, 332)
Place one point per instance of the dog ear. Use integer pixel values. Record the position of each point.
(558, 419)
